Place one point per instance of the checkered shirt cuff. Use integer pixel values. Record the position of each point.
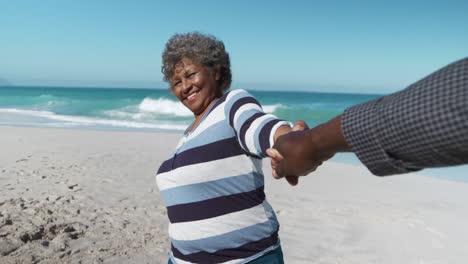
(361, 125)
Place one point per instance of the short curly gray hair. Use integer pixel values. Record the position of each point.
(206, 50)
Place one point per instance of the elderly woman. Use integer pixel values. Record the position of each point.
(212, 184)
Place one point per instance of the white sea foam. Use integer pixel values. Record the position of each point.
(272, 108)
(145, 115)
(90, 121)
(125, 114)
(46, 96)
(164, 106)
(149, 108)
(26, 112)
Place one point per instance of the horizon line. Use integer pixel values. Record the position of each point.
(159, 88)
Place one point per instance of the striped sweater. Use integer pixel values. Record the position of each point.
(213, 185)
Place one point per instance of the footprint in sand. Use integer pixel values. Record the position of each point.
(72, 186)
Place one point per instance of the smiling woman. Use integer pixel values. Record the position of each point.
(198, 70)
(213, 183)
(195, 86)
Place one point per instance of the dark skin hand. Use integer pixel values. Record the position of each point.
(300, 152)
(298, 126)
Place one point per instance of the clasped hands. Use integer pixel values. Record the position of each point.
(302, 150)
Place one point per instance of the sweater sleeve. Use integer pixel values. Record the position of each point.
(422, 126)
(254, 128)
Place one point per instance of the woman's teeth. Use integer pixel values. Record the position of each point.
(192, 96)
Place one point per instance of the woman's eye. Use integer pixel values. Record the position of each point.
(176, 84)
(191, 75)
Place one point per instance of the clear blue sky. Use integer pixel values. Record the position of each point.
(340, 46)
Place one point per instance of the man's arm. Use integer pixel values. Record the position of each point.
(425, 125)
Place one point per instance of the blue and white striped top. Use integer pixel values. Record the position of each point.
(213, 185)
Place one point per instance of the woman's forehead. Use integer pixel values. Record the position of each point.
(184, 63)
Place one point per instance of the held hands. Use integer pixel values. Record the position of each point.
(300, 152)
(292, 179)
(294, 154)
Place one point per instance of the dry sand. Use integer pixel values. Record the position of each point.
(70, 196)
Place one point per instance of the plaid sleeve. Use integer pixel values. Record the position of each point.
(422, 126)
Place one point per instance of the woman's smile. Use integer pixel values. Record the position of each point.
(195, 85)
(192, 96)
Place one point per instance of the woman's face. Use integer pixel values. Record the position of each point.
(195, 85)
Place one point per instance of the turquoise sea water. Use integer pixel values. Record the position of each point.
(147, 109)
(158, 110)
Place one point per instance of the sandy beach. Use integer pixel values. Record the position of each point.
(82, 196)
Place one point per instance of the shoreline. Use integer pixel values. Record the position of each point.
(72, 196)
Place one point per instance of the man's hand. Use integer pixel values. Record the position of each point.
(299, 125)
(300, 152)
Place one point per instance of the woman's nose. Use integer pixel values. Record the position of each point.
(186, 85)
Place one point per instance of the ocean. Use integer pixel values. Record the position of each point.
(157, 110)
(147, 109)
